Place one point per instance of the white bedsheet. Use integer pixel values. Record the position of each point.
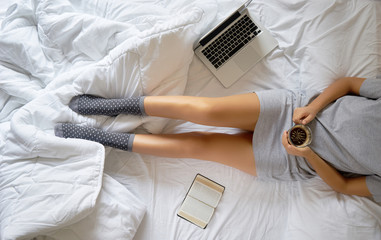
(58, 188)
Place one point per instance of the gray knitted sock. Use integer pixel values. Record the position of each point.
(116, 140)
(92, 105)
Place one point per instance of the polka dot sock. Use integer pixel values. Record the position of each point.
(92, 105)
(116, 140)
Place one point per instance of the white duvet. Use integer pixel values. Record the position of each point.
(71, 189)
(52, 51)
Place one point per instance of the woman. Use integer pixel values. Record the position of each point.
(341, 142)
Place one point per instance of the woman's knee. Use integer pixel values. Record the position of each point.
(239, 111)
(210, 110)
(205, 145)
(198, 144)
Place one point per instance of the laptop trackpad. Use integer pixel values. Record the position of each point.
(246, 58)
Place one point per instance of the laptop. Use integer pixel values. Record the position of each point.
(234, 46)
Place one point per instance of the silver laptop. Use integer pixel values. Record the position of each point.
(234, 46)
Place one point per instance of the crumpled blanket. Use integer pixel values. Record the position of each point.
(53, 50)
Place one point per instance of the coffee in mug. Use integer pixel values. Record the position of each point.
(299, 135)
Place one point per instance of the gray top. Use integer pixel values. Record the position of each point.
(347, 134)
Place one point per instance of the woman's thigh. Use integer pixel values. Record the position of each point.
(238, 111)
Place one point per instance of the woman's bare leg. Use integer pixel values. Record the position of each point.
(232, 150)
(238, 111)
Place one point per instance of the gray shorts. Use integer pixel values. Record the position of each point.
(271, 159)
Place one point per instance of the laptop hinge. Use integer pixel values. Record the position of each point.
(219, 29)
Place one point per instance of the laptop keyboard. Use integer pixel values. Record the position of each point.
(231, 41)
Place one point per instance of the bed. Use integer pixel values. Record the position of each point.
(53, 188)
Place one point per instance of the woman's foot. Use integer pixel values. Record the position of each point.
(92, 105)
(111, 139)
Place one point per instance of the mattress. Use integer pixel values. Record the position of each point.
(51, 51)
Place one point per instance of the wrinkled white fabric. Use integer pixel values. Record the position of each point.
(52, 51)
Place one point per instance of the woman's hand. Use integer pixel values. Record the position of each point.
(292, 150)
(304, 115)
(337, 89)
(351, 186)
